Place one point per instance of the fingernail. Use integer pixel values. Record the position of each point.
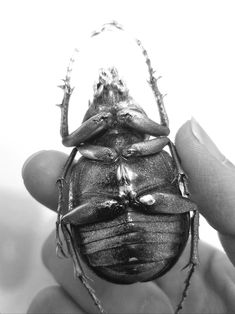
(203, 138)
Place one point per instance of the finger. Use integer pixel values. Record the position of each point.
(211, 180)
(53, 300)
(202, 283)
(136, 298)
(40, 173)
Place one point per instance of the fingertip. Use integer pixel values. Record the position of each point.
(53, 299)
(40, 172)
(211, 176)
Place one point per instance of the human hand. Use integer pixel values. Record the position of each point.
(212, 290)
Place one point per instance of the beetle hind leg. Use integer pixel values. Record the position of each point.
(194, 259)
(60, 185)
(60, 252)
(78, 271)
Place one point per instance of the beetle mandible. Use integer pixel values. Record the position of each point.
(128, 210)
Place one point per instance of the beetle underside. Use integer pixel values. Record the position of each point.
(128, 211)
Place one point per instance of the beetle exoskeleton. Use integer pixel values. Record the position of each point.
(126, 240)
(128, 211)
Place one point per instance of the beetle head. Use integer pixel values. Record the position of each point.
(110, 88)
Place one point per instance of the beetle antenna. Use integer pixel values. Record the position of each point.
(107, 27)
(152, 80)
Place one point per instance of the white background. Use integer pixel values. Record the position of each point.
(191, 44)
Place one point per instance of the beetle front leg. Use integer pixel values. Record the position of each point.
(141, 123)
(153, 83)
(64, 106)
(88, 129)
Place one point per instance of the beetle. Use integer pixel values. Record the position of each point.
(128, 213)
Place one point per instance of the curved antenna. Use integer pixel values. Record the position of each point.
(107, 27)
(152, 79)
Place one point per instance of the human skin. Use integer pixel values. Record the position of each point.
(212, 186)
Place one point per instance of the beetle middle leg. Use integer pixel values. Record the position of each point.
(89, 128)
(181, 176)
(146, 148)
(97, 152)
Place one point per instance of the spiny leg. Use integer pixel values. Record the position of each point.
(194, 258)
(60, 184)
(153, 83)
(66, 98)
(89, 128)
(181, 176)
(78, 271)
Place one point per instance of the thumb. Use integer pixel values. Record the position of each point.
(211, 180)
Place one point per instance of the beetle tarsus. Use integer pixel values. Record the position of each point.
(187, 284)
(92, 293)
(194, 260)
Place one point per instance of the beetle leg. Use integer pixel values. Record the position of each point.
(146, 148)
(60, 184)
(181, 176)
(65, 103)
(153, 83)
(96, 152)
(78, 271)
(157, 202)
(140, 122)
(94, 210)
(194, 257)
(89, 128)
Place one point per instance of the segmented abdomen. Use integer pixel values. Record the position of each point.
(134, 246)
